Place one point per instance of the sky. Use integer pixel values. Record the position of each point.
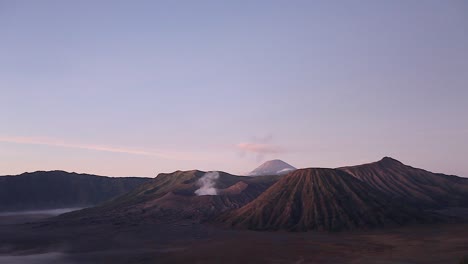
(134, 88)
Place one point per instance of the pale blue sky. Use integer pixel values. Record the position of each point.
(140, 87)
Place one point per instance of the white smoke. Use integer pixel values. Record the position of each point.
(284, 171)
(207, 184)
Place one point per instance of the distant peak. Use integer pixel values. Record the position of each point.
(276, 161)
(389, 160)
(272, 167)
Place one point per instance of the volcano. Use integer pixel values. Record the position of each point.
(172, 197)
(381, 194)
(321, 199)
(272, 167)
(417, 187)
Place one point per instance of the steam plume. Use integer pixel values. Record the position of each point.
(207, 184)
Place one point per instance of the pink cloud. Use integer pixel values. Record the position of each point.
(114, 149)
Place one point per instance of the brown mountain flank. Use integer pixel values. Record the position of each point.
(171, 197)
(321, 199)
(411, 185)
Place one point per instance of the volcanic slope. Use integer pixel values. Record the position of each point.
(417, 187)
(171, 197)
(320, 199)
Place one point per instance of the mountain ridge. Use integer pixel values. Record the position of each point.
(42, 190)
(412, 185)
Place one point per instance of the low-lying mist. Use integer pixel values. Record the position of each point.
(45, 258)
(51, 212)
(20, 217)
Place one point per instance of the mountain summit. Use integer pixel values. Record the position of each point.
(272, 167)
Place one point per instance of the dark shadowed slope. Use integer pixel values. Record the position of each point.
(410, 185)
(171, 197)
(272, 167)
(320, 199)
(59, 189)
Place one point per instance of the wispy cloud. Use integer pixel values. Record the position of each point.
(106, 148)
(259, 148)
